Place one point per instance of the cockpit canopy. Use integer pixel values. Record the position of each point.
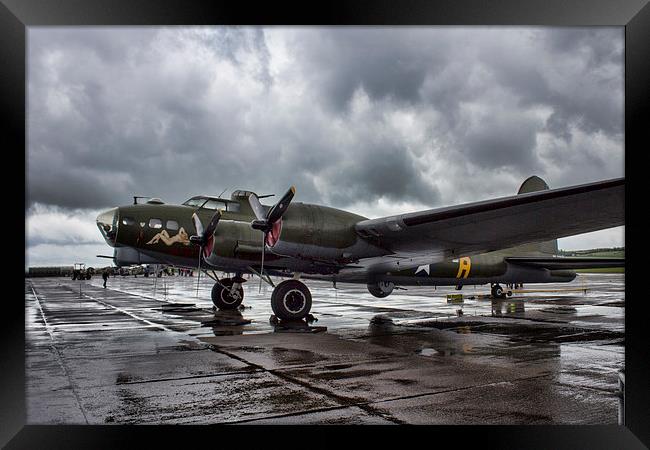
(213, 203)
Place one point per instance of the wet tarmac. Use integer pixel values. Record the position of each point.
(148, 350)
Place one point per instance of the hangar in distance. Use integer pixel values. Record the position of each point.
(504, 240)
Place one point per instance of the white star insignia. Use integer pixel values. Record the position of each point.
(426, 268)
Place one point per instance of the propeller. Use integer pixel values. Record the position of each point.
(269, 223)
(204, 239)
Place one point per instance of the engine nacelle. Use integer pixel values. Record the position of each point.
(381, 289)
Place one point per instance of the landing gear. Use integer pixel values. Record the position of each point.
(497, 291)
(291, 300)
(226, 294)
(381, 289)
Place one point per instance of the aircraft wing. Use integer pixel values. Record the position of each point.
(554, 263)
(500, 223)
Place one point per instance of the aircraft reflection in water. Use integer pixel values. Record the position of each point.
(227, 323)
(504, 240)
(508, 307)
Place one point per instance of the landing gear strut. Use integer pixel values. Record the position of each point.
(497, 291)
(227, 293)
(291, 300)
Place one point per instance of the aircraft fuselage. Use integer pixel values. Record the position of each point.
(318, 241)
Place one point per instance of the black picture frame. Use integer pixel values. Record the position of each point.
(634, 15)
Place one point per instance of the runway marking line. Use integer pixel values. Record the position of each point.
(59, 357)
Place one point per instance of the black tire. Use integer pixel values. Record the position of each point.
(378, 292)
(291, 300)
(497, 291)
(222, 299)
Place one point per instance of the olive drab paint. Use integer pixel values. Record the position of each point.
(424, 248)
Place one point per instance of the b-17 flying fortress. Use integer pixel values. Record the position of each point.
(504, 240)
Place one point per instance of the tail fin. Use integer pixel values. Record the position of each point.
(534, 184)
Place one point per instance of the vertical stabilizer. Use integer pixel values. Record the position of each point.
(533, 184)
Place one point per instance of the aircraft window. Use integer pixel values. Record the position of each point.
(214, 204)
(128, 221)
(172, 225)
(194, 202)
(107, 223)
(155, 223)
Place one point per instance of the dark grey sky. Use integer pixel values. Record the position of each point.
(374, 120)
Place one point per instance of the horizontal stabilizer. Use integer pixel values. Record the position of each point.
(555, 263)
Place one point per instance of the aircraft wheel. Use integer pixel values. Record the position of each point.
(291, 300)
(497, 291)
(223, 299)
(381, 289)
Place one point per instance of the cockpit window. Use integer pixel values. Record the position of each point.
(197, 201)
(214, 204)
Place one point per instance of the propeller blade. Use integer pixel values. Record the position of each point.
(203, 238)
(198, 275)
(197, 224)
(268, 224)
(262, 266)
(276, 212)
(256, 206)
(209, 231)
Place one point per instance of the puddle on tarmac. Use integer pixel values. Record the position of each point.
(429, 352)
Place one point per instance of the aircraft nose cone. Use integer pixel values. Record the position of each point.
(107, 224)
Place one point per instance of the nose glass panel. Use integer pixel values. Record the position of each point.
(107, 224)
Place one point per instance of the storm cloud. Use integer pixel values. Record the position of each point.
(375, 120)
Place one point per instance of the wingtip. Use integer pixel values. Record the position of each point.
(293, 189)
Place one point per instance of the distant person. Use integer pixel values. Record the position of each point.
(105, 277)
